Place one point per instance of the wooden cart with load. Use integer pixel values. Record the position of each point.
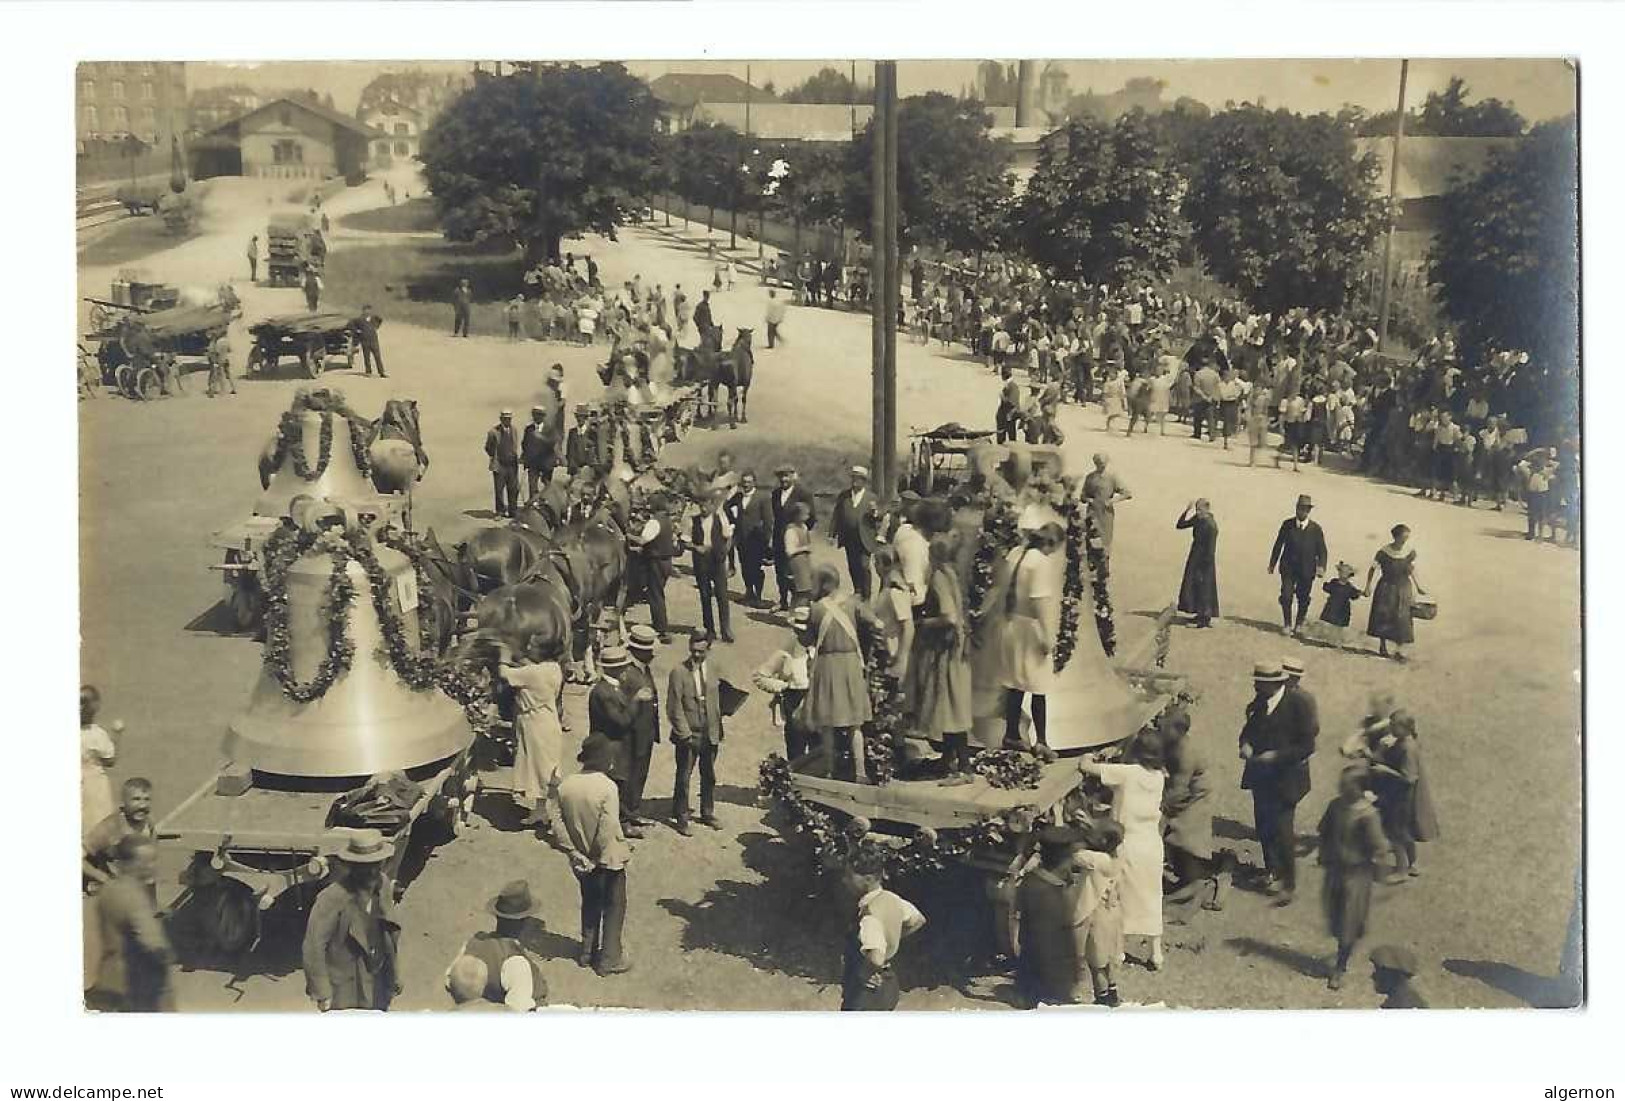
(287, 247)
(135, 351)
(134, 291)
(939, 460)
(315, 338)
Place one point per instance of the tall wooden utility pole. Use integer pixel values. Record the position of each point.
(883, 281)
(878, 278)
(894, 282)
(1393, 188)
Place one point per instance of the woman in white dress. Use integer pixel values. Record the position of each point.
(1114, 395)
(1032, 622)
(1136, 786)
(96, 755)
(536, 678)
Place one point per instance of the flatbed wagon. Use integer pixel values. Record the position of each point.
(179, 336)
(255, 844)
(314, 338)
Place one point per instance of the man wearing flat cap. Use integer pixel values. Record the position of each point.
(1393, 974)
(788, 494)
(856, 527)
(502, 449)
(1276, 743)
(513, 971)
(1300, 553)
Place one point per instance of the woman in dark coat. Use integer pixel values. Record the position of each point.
(1199, 591)
(1352, 850)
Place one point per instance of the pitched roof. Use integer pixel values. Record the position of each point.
(687, 89)
(1427, 165)
(326, 114)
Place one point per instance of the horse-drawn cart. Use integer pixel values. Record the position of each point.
(939, 460)
(135, 352)
(131, 292)
(315, 338)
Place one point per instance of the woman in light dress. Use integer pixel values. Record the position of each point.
(838, 701)
(1114, 395)
(1136, 786)
(97, 753)
(1032, 623)
(537, 678)
(940, 692)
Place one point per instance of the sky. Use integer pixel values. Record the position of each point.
(1539, 88)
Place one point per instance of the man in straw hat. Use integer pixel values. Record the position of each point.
(638, 679)
(502, 449)
(352, 935)
(1276, 742)
(856, 528)
(611, 708)
(1300, 553)
(513, 973)
(598, 853)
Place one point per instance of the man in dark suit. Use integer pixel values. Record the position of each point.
(788, 493)
(639, 679)
(856, 526)
(502, 448)
(1276, 743)
(710, 541)
(366, 331)
(652, 547)
(1300, 552)
(694, 705)
(538, 451)
(752, 513)
(612, 707)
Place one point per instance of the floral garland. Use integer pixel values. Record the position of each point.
(1072, 587)
(1103, 601)
(881, 732)
(1008, 769)
(290, 440)
(360, 434)
(285, 546)
(1000, 534)
(835, 845)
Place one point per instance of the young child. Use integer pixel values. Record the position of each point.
(1404, 801)
(798, 549)
(1099, 907)
(514, 311)
(1338, 611)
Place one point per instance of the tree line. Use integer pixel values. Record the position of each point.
(1282, 207)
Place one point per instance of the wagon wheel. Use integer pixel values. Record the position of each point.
(256, 359)
(100, 315)
(925, 472)
(124, 378)
(313, 356)
(148, 386)
(229, 917)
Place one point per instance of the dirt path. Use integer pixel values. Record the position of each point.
(725, 920)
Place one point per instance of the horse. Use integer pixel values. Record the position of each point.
(743, 363)
(712, 368)
(453, 590)
(396, 451)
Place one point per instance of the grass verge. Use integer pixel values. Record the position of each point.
(412, 281)
(412, 216)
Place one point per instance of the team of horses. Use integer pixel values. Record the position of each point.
(712, 368)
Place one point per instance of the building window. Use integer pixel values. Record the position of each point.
(118, 89)
(149, 117)
(288, 152)
(147, 91)
(87, 89)
(402, 149)
(402, 128)
(121, 119)
(92, 118)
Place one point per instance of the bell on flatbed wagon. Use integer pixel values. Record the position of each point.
(368, 721)
(339, 480)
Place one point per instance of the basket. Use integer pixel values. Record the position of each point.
(1424, 607)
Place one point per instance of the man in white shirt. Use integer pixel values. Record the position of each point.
(710, 541)
(590, 812)
(513, 970)
(776, 309)
(879, 924)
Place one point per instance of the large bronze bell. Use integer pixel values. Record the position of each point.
(342, 480)
(368, 721)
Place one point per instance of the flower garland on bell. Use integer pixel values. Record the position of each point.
(1008, 769)
(290, 440)
(360, 432)
(1073, 511)
(285, 546)
(1103, 601)
(837, 844)
(1000, 535)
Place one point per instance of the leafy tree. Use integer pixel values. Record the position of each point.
(1102, 203)
(953, 179)
(1282, 207)
(706, 160)
(1507, 264)
(536, 157)
(830, 85)
(1447, 114)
